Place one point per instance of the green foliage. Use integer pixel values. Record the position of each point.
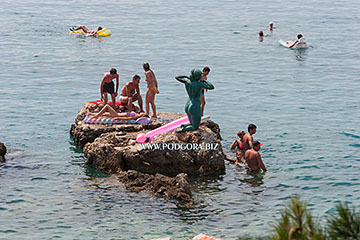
(296, 222)
(344, 224)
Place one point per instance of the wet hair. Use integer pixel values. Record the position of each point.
(146, 66)
(136, 77)
(256, 143)
(206, 69)
(113, 71)
(99, 28)
(299, 36)
(251, 126)
(261, 34)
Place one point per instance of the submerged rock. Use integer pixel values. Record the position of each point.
(2, 152)
(160, 185)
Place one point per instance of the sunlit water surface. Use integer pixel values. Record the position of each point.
(305, 104)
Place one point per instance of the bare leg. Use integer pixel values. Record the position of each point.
(129, 104)
(83, 28)
(105, 109)
(153, 108)
(202, 100)
(113, 99)
(147, 102)
(105, 98)
(140, 102)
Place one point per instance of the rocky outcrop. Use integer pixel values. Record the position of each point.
(160, 185)
(160, 167)
(195, 153)
(84, 133)
(2, 152)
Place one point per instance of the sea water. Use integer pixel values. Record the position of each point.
(304, 103)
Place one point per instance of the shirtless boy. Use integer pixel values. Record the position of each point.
(248, 139)
(131, 93)
(107, 86)
(253, 158)
(152, 89)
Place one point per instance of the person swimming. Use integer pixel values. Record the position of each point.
(299, 43)
(271, 26)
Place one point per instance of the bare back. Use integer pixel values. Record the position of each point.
(150, 79)
(253, 160)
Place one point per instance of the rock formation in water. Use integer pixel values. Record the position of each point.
(196, 153)
(2, 152)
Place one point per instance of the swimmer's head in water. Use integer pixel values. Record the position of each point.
(195, 75)
(113, 71)
(146, 66)
(271, 23)
(256, 145)
(261, 34)
(299, 36)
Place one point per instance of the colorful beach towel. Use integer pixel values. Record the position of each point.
(111, 121)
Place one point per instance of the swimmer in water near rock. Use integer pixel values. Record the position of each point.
(253, 159)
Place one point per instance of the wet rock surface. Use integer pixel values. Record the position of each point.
(2, 152)
(177, 187)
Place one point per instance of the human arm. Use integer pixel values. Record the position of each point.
(293, 44)
(234, 144)
(250, 141)
(137, 88)
(101, 88)
(117, 85)
(207, 85)
(183, 79)
(261, 164)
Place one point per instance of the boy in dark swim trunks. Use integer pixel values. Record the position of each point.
(107, 86)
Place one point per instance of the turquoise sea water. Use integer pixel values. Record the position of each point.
(305, 104)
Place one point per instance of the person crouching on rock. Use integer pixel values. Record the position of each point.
(131, 93)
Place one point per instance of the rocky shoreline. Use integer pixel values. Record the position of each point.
(162, 169)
